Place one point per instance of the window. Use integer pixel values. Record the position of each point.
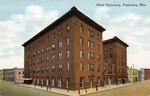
(47, 81)
(38, 52)
(38, 60)
(42, 69)
(42, 51)
(53, 35)
(53, 56)
(59, 82)
(68, 80)
(68, 54)
(47, 48)
(89, 55)
(98, 57)
(67, 28)
(47, 58)
(60, 55)
(92, 55)
(34, 53)
(53, 67)
(42, 59)
(34, 70)
(38, 70)
(98, 68)
(53, 46)
(59, 44)
(98, 47)
(98, 81)
(60, 67)
(81, 54)
(42, 80)
(81, 28)
(89, 44)
(81, 82)
(68, 41)
(89, 32)
(92, 34)
(89, 67)
(59, 32)
(81, 41)
(34, 61)
(47, 69)
(92, 44)
(53, 81)
(19, 72)
(68, 66)
(92, 67)
(81, 66)
(111, 55)
(98, 37)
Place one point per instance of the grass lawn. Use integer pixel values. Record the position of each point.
(11, 89)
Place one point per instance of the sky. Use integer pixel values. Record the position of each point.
(22, 19)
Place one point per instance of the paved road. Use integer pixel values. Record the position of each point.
(137, 89)
(11, 89)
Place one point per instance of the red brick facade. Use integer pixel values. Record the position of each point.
(66, 54)
(116, 50)
(147, 74)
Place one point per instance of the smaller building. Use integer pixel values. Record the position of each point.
(132, 75)
(147, 74)
(14, 75)
(2, 74)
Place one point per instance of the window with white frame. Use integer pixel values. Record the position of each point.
(42, 59)
(47, 58)
(89, 55)
(68, 40)
(81, 66)
(42, 69)
(53, 46)
(81, 41)
(60, 67)
(92, 67)
(59, 44)
(47, 81)
(42, 51)
(81, 53)
(68, 66)
(53, 67)
(68, 53)
(47, 48)
(53, 81)
(81, 82)
(53, 56)
(59, 82)
(60, 55)
(47, 69)
(89, 43)
(67, 28)
(81, 28)
(89, 32)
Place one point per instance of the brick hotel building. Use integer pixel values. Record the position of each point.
(66, 54)
(116, 50)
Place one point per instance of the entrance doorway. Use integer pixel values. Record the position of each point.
(91, 84)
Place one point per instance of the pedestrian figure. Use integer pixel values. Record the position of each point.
(47, 88)
(96, 88)
(78, 91)
(86, 90)
(68, 90)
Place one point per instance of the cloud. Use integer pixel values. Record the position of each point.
(18, 29)
(132, 28)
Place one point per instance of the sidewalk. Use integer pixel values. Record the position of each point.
(76, 93)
